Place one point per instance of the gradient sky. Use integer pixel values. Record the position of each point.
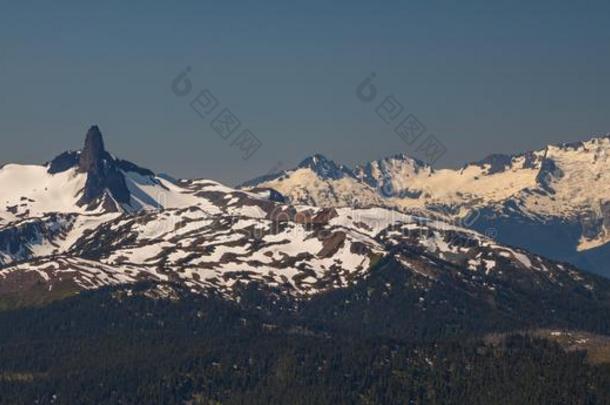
(482, 77)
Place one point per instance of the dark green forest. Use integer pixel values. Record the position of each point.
(111, 346)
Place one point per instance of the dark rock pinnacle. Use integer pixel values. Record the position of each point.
(102, 172)
(93, 153)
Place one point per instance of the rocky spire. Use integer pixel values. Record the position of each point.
(102, 172)
(93, 153)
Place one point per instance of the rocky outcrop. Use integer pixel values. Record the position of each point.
(325, 168)
(103, 174)
(93, 155)
(63, 162)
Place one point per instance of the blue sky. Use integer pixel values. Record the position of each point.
(482, 78)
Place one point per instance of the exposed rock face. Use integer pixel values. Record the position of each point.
(271, 194)
(548, 172)
(17, 241)
(102, 172)
(325, 168)
(553, 200)
(381, 174)
(63, 162)
(93, 154)
(497, 163)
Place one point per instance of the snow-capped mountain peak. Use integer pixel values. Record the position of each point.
(390, 176)
(325, 168)
(204, 236)
(567, 183)
(107, 178)
(93, 181)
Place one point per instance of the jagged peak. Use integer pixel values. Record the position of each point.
(93, 152)
(583, 144)
(400, 159)
(315, 159)
(387, 169)
(533, 159)
(92, 157)
(404, 157)
(324, 167)
(63, 162)
(497, 162)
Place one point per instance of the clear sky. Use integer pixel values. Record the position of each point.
(502, 77)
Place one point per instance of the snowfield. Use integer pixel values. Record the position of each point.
(336, 225)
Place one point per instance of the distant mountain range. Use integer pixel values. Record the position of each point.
(121, 285)
(88, 220)
(554, 201)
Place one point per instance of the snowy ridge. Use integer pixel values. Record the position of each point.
(207, 236)
(568, 183)
(300, 252)
(27, 190)
(568, 170)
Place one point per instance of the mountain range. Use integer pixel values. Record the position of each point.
(374, 284)
(554, 201)
(87, 220)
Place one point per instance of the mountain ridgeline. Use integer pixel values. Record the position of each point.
(554, 201)
(338, 285)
